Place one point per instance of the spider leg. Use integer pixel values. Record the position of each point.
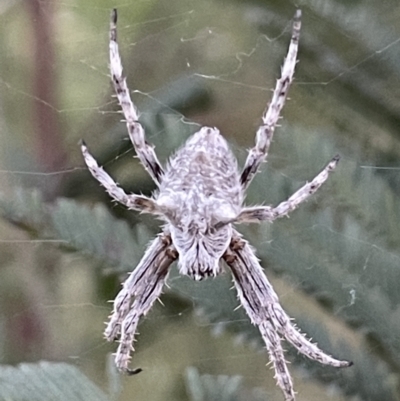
(276, 354)
(144, 150)
(131, 201)
(269, 213)
(271, 115)
(262, 305)
(300, 342)
(144, 284)
(255, 292)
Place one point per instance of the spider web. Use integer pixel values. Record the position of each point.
(334, 263)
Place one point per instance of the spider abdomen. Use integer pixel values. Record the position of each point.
(204, 166)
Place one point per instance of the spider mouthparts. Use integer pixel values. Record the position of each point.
(297, 15)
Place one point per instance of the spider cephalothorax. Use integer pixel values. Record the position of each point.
(200, 195)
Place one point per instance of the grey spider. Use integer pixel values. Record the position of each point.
(199, 197)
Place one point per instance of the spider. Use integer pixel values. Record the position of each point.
(199, 197)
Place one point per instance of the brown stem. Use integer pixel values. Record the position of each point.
(50, 153)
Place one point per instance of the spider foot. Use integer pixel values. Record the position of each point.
(132, 372)
(122, 360)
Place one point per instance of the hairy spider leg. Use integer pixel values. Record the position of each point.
(254, 214)
(271, 115)
(144, 150)
(262, 305)
(143, 286)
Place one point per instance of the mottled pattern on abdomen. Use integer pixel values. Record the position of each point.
(206, 167)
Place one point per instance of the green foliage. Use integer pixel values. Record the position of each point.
(95, 231)
(46, 381)
(91, 230)
(218, 388)
(209, 388)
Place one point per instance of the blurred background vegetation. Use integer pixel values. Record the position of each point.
(65, 247)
